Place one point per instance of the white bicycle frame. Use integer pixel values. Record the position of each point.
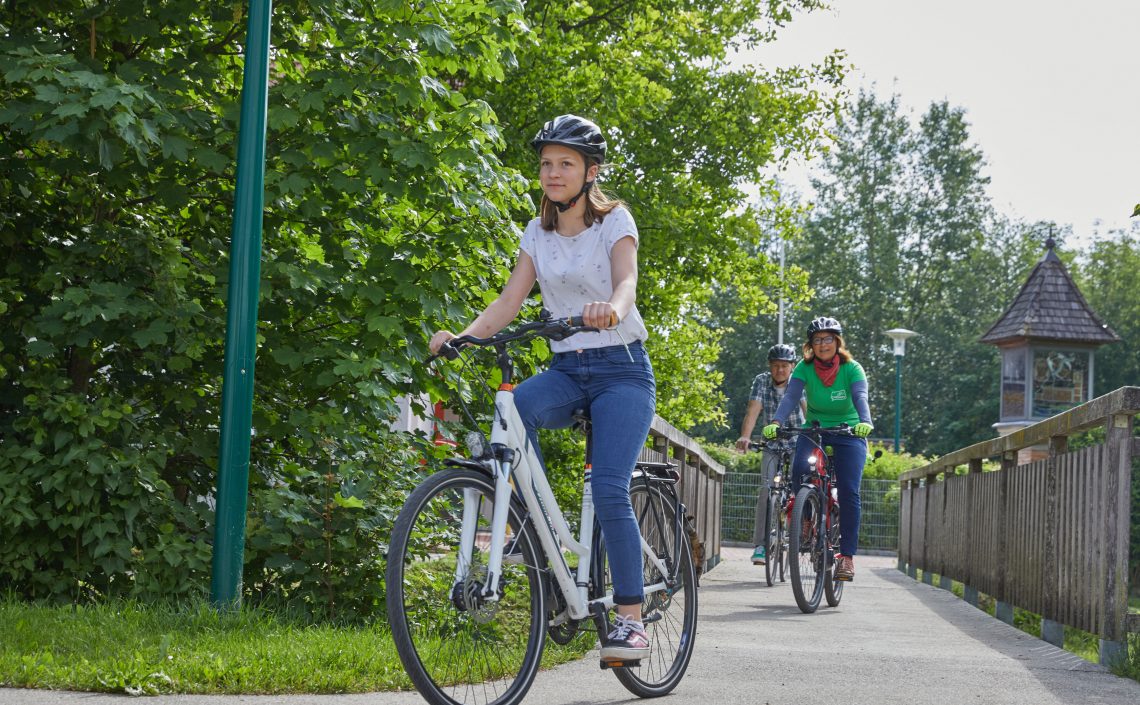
(553, 532)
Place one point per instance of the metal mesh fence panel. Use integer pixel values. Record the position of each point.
(738, 506)
(879, 526)
(879, 522)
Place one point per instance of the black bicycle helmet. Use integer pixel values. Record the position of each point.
(824, 323)
(574, 132)
(783, 352)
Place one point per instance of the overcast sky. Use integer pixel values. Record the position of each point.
(1051, 89)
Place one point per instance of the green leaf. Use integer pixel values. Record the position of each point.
(388, 326)
(71, 110)
(348, 502)
(40, 348)
(153, 334)
(1136, 210)
(313, 252)
(438, 38)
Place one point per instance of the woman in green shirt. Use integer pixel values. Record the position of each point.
(836, 390)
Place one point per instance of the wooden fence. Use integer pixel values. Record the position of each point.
(1050, 536)
(702, 483)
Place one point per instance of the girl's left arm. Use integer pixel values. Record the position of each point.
(859, 396)
(623, 272)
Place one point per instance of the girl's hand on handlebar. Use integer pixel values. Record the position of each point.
(599, 314)
(439, 339)
(770, 430)
(863, 429)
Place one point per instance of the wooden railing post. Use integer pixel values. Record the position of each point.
(1052, 630)
(972, 576)
(1117, 518)
(1003, 610)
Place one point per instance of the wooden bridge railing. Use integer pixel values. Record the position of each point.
(702, 482)
(1049, 536)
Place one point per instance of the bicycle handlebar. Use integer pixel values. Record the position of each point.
(545, 326)
(842, 430)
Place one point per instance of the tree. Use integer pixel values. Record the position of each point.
(117, 134)
(902, 234)
(687, 132)
(391, 210)
(1108, 275)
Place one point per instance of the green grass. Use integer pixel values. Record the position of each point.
(144, 649)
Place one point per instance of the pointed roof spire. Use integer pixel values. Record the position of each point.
(1050, 307)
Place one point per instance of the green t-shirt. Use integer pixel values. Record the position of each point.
(832, 405)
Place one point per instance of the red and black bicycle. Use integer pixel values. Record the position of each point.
(813, 533)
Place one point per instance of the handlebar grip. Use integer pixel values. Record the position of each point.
(579, 322)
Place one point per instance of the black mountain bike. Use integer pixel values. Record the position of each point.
(777, 509)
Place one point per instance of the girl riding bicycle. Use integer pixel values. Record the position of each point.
(836, 389)
(582, 250)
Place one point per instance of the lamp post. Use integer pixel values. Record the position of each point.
(241, 316)
(899, 336)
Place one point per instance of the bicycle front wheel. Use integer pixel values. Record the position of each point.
(805, 550)
(782, 539)
(670, 613)
(458, 646)
(771, 552)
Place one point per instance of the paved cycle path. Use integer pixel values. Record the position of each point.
(892, 640)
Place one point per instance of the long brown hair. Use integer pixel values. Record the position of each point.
(840, 349)
(598, 205)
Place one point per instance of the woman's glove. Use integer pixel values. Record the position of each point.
(769, 431)
(863, 429)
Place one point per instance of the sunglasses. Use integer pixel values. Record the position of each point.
(823, 340)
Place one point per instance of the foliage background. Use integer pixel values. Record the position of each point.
(396, 175)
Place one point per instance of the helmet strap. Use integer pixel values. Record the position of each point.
(563, 207)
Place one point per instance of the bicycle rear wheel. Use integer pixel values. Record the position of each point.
(458, 647)
(771, 557)
(670, 614)
(832, 588)
(805, 550)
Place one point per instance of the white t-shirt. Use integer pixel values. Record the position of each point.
(574, 271)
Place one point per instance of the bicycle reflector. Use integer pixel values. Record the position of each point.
(476, 444)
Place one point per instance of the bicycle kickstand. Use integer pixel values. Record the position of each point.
(603, 626)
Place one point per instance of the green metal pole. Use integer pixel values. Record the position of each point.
(898, 400)
(241, 315)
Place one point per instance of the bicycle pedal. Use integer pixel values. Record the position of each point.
(619, 663)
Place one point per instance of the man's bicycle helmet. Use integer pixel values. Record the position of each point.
(823, 323)
(781, 352)
(574, 132)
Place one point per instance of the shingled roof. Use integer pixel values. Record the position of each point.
(1050, 307)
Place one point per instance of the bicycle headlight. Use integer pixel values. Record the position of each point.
(476, 444)
(812, 460)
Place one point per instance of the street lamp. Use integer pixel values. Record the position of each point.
(899, 336)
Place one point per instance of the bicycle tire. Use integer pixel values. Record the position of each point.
(782, 540)
(832, 588)
(670, 617)
(770, 551)
(806, 560)
(457, 648)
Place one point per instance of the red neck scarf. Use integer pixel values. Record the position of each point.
(827, 371)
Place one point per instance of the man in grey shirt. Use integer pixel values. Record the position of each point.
(767, 391)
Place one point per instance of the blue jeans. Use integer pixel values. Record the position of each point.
(848, 458)
(621, 396)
